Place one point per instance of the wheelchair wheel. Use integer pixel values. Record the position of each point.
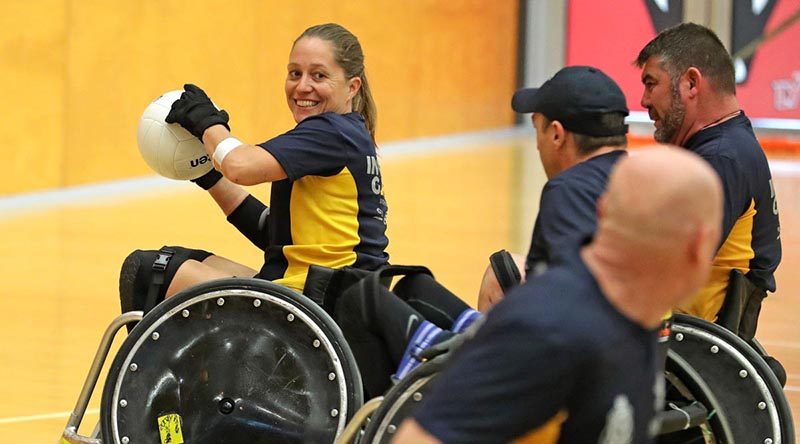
(231, 361)
(708, 364)
(401, 400)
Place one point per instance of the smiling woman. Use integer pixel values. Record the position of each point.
(327, 202)
(326, 73)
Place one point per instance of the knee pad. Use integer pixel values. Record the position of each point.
(146, 275)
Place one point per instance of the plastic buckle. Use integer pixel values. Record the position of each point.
(164, 255)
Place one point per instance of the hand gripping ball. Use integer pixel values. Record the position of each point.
(167, 148)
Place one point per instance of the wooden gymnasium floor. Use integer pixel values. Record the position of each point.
(60, 256)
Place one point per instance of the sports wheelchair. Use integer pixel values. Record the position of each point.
(719, 389)
(720, 386)
(232, 360)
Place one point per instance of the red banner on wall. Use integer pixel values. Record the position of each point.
(610, 35)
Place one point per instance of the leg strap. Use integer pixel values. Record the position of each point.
(146, 275)
(158, 274)
(324, 285)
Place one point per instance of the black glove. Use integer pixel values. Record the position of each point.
(445, 347)
(208, 179)
(195, 112)
(452, 343)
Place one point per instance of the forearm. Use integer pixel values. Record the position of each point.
(242, 210)
(251, 218)
(228, 195)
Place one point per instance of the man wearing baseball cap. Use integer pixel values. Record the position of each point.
(579, 117)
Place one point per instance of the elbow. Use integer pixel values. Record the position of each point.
(250, 166)
(241, 178)
(236, 178)
(238, 172)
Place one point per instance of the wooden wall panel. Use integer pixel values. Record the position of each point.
(32, 63)
(125, 54)
(89, 69)
(466, 214)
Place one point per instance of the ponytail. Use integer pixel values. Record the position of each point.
(364, 104)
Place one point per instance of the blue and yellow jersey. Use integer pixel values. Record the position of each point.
(750, 226)
(555, 362)
(331, 209)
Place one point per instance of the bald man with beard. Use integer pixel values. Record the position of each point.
(571, 356)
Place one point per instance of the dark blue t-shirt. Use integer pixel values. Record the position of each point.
(750, 227)
(734, 152)
(554, 362)
(568, 209)
(331, 209)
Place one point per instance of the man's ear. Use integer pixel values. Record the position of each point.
(602, 201)
(693, 78)
(700, 246)
(559, 133)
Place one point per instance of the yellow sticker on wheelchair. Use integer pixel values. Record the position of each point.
(169, 427)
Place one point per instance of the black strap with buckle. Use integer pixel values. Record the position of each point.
(157, 280)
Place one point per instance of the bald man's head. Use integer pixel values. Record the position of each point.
(661, 201)
(663, 191)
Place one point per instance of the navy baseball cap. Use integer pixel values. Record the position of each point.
(576, 96)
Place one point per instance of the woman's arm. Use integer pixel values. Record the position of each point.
(227, 195)
(248, 214)
(245, 164)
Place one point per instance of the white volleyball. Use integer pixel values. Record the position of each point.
(168, 148)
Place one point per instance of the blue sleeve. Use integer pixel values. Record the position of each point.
(506, 382)
(566, 214)
(315, 147)
(737, 196)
